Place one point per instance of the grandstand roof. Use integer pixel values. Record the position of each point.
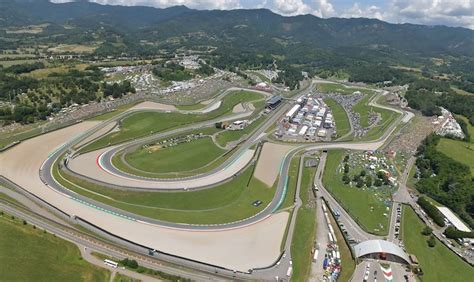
(454, 219)
(274, 99)
(379, 246)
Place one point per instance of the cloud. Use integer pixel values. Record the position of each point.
(324, 9)
(320, 8)
(291, 7)
(358, 11)
(433, 12)
(429, 12)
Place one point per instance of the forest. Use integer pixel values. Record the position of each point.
(445, 180)
(35, 99)
(427, 95)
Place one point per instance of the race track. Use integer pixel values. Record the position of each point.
(241, 245)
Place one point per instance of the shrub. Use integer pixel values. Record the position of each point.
(432, 211)
(452, 233)
(427, 231)
(368, 181)
(346, 179)
(129, 263)
(431, 241)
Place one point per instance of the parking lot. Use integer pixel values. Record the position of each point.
(309, 120)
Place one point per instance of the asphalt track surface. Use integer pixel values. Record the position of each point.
(48, 179)
(46, 171)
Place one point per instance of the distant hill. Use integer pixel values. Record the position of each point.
(301, 39)
(21, 12)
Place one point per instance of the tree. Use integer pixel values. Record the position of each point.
(346, 179)
(133, 264)
(431, 210)
(378, 182)
(363, 173)
(346, 158)
(453, 233)
(368, 181)
(432, 241)
(427, 231)
(346, 168)
(129, 263)
(360, 182)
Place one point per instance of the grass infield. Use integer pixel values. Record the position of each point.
(356, 201)
(341, 119)
(181, 157)
(225, 203)
(145, 122)
(29, 254)
(438, 263)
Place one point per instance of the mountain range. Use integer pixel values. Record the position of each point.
(224, 25)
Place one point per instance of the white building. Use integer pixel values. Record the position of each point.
(455, 221)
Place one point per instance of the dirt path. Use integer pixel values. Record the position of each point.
(154, 106)
(268, 165)
(239, 249)
(239, 108)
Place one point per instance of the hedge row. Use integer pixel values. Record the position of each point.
(432, 211)
(453, 233)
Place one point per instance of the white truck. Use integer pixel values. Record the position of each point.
(290, 271)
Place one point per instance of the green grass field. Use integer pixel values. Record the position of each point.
(233, 135)
(113, 113)
(339, 88)
(356, 201)
(215, 162)
(470, 128)
(363, 109)
(460, 151)
(305, 231)
(191, 107)
(347, 262)
(340, 117)
(228, 202)
(28, 254)
(292, 182)
(123, 278)
(388, 117)
(377, 131)
(144, 123)
(438, 263)
(9, 63)
(182, 157)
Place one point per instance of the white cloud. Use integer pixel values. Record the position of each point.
(291, 7)
(430, 12)
(358, 11)
(320, 8)
(324, 9)
(433, 12)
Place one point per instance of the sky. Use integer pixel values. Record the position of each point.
(428, 12)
